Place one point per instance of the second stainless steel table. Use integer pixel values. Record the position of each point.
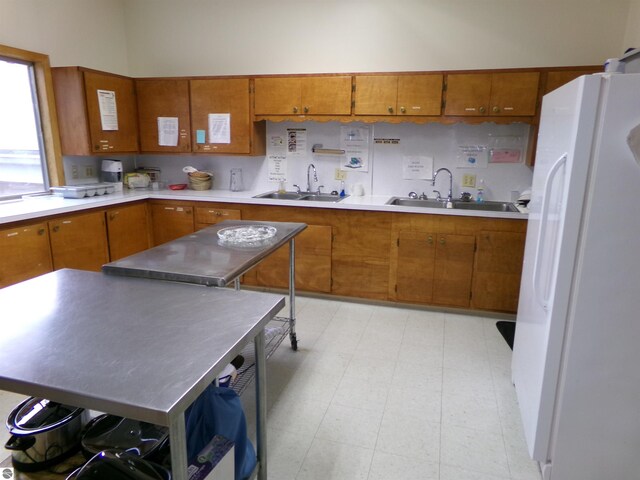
(202, 258)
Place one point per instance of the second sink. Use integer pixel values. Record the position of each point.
(310, 197)
(486, 206)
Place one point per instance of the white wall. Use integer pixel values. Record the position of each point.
(219, 37)
(90, 33)
(632, 35)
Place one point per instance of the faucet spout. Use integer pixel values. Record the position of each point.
(315, 176)
(433, 182)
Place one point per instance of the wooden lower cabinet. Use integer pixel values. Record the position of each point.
(79, 241)
(313, 262)
(24, 253)
(171, 220)
(434, 268)
(206, 216)
(497, 270)
(128, 230)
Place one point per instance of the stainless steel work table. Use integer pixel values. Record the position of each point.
(201, 258)
(128, 346)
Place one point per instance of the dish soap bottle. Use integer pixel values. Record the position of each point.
(480, 196)
(342, 194)
(281, 187)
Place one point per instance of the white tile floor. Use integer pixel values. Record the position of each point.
(383, 393)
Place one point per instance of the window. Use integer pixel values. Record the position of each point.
(29, 158)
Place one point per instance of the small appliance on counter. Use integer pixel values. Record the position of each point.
(111, 172)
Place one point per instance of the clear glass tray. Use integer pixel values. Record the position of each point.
(246, 235)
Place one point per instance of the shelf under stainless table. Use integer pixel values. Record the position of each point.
(201, 258)
(128, 346)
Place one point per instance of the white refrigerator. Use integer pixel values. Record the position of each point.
(576, 353)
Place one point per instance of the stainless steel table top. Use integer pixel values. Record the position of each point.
(201, 258)
(128, 346)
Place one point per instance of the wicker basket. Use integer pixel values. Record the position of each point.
(200, 181)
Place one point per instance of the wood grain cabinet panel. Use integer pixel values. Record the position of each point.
(225, 95)
(453, 270)
(492, 94)
(170, 221)
(24, 253)
(79, 241)
(163, 98)
(82, 131)
(497, 270)
(206, 216)
(304, 95)
(416, 264)
(402, 95)
(128, 230)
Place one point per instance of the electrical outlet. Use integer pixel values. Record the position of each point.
(74, 171)
(340, 174)
(469, 180)
(88, 171)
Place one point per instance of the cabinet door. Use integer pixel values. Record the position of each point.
(561, 77)
(24, 253)
(79, 241)
(453, 270)
(111, 138)
(419, 95)
(206, 216)
(498, 267)
(278, 96)
(376, 94)
(170, 222)
(227, 96)
(163, 98)
(313, 262)
(326, 95)
(514, 93)
(128, 230)
(416, 263)
(468, 94)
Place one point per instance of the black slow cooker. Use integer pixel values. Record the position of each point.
(43, 433)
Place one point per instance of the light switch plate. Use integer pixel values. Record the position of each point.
(469, 180)
(340, 174)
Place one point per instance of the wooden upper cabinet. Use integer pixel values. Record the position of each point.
(492, 94)
(163, 98)
(225, 96)
(410, 95)
(86, 127)
(329, 95)
(558, 78)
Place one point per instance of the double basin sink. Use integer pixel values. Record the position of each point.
(485, 206)
(309, 197)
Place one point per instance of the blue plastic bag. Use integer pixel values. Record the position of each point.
(218, 411)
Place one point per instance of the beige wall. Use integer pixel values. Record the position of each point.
(217, 37)
(90, 33)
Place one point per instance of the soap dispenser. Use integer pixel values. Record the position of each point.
(480, 196)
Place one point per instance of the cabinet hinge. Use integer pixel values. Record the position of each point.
(444, 103)
(396, 288)
(398, 242)
(444, 85)
(353, 87)
(353, 104)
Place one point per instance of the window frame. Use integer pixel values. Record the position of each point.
(46, 109)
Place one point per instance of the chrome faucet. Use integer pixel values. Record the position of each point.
(315, 176)
(433, 183)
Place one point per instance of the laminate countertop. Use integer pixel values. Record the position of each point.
(29, 208)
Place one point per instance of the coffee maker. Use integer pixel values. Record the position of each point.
(112, 173)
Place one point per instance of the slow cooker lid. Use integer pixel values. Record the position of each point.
(38, 414)
(111, 431)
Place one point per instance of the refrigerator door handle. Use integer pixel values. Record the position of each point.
(543, 297)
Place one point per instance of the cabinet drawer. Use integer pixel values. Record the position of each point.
(215, 215)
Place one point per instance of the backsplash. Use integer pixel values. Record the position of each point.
(390, 146)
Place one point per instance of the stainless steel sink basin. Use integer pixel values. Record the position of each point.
(310, 197)
(456, 204)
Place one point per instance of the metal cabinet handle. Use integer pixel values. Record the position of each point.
(403, 110)
(56, 228)
(442, 241)
(390, 109)
(496, 109)
(113, 215)
(482, 109)
(306, 109)
(430, 240)
(41, 231)
(295, 109)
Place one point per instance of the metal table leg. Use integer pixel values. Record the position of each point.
(177, 433)
(261, 405)
(292, 294)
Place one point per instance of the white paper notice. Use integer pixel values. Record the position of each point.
(417, 168)
(219, 128)
(277, 159)
(168, 131)
(296, 142)
(355, 143)
(108, 109)
(472, 156)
